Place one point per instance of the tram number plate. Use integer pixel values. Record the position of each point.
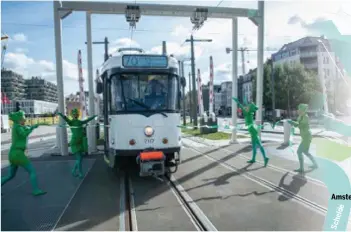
(149, 141)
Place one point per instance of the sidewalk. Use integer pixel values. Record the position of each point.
(41, 131)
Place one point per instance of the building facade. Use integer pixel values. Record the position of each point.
(72, 101)
(316, 54)
(245, 86)
(31, 107)
(12, 85)
(40, 89)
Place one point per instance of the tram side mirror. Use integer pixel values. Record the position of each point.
(99, 87)
(183, 82)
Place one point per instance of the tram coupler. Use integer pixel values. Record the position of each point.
(151, 163)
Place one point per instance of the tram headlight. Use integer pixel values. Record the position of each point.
(164, 140)
(132, 142)
(148, 131)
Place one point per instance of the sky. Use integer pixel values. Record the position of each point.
(31, 50)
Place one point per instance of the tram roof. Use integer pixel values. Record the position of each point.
(116, 61)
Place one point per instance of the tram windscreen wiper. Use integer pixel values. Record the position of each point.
(139, 103)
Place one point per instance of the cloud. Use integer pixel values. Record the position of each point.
(121, 43)
(21, 50)
(19, 37)
(28, 67)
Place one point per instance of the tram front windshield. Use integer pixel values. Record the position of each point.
(143, 92)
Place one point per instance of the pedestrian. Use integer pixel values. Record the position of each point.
(17, 154)
(248, 112)
(304, 126)
(78, 140)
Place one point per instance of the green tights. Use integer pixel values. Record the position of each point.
(78, 165)
(304, 149)
(32, 176)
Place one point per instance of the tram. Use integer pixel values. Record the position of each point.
(141, 104)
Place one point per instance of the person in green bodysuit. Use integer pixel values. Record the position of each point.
(306, 135)
(17, 154)
(78, 141)
(248, 112)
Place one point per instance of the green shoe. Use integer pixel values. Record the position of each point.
(38, 192)
(300, 170)
(266, 162)
(74, 173)
(251, 161)
(81, 175)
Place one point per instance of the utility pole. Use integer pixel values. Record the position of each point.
(242, 50)
(192, 40)
(273, 86)
(105, 42)
(182, 75)
(190, 101)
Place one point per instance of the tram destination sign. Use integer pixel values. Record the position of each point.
(144, 61)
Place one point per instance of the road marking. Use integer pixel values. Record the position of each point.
(122, 206)
(132, 206)
(247, 176)
(73, 195)
(275, 168)
(204, 219)
(278, 169)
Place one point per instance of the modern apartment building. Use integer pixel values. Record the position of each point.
(12, 85)
(40, 89)
(315, 53)
(31, 107)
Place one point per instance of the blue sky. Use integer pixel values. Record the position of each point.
(31, 47)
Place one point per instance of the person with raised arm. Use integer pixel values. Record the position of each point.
(304, 126)
(78, 139)
(248, 112)
(18, 151)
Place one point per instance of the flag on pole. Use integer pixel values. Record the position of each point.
(81, 86)
(4, 99)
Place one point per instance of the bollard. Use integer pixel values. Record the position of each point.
(287, 129)
(205, 117)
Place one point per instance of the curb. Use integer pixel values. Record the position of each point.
(276, 132)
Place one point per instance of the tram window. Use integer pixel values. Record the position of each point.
(142, 92)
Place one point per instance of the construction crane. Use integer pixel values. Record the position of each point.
(4, 47)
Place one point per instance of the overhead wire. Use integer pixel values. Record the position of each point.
(126, 29)
(132, 32)
(192, 32)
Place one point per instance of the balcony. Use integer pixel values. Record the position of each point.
(308, 54)
(313, 65)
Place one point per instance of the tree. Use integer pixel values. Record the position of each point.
(267, 88)
(293, 84)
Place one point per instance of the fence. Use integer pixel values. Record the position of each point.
(32, 121)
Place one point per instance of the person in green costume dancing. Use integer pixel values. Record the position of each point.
(306, 135)
(17, 154)
(248, 112)
(78, 140)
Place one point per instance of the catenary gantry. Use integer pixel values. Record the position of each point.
(62, 9)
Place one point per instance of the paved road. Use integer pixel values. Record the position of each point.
(218, 182)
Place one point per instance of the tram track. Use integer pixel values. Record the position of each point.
(268, 184)
(128, 217)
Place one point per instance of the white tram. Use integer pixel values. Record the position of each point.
(141, 98)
